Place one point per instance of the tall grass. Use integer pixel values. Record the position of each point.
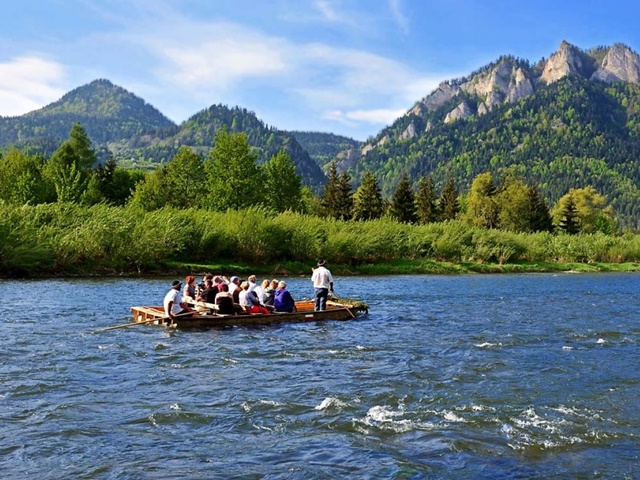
(68, 238)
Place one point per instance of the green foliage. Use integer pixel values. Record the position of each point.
(324, 147)
(282, 184)
(403, 203)
(448, 203)
(71, 238)
(233, 178)
(426, 201)
(569, 134)
(367, 200)
(584, 210)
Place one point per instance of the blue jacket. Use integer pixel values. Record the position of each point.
(283, 301)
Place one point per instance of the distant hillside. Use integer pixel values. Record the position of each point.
(136, 134)
(567, 122)
(107, 112)
(324, 147)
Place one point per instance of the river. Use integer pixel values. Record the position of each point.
(475, 376)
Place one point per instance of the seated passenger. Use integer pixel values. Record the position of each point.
(268, 291)
(209, 293)
(283, 301)
(249, 300)
(189, 293)
(225, 303)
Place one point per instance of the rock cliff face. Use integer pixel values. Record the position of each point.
(463, 110)
(509, 80)
(620, 64)
(567, 60)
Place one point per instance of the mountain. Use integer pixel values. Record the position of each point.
(565, 122)
(107, 112)
(324, 147)
(135, 133)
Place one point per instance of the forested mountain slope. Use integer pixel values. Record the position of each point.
(566, 122)
(136, 134)
(324, 147)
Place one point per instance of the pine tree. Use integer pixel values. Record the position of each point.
(569, 219)
(426, 201)
(403, 203)
(79, 141)
(449, 206)
(367, 201)
(539, 217)
(329, 198)
(282, 183)
(344, 200)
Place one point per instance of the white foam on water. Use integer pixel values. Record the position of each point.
(487, 345)
(601, 341)
(452, 417)
(175, 406)
(271, 403)
(246, 407)
(566, 347)
(330, 402)
(360, 347)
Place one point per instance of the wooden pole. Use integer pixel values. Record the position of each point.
(161, 319)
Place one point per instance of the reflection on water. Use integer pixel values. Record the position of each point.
(471, 376)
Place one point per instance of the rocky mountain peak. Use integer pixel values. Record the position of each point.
(567, 60)
(620, 64)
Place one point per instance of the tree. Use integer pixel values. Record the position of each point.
(282, 183)
(449, 206)
(181, 183)
(344, 199)
(329, 197)
(233, 178)
(69, 168)
(592, 212)
(79, 141)
(513, 204)
(68, 179)
(569, 221)
(403, 202)
(482, 206)
(185, 179)
(152, 193)
(367, 201)
(539, 216)
(426, 201)
(21, 179)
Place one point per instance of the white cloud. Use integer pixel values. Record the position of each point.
(28, 83)
(217, 60)
(380, 116)
(399, 17)
(326, 9)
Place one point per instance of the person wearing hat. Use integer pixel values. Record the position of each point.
(173, 301)
(322, 283)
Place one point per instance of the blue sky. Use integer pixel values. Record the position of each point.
(344, 66)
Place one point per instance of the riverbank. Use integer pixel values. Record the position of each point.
(398, 267)
(71, 240)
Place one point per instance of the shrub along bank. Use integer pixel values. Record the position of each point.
(69, 239)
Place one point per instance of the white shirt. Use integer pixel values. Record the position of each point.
(172, 295)
(321, 278)
(232, 287)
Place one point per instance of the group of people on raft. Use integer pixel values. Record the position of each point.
(233, 296)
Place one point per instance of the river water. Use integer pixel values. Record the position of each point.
(476, 376)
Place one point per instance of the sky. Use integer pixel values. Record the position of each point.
(348, 67)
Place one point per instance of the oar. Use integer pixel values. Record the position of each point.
(348, 309)
(161, 319)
